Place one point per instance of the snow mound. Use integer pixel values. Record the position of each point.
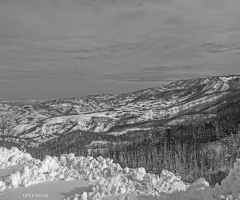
(127, 181)
(229, 188)
(109, 179)
(15, 157)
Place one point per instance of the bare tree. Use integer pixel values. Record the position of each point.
(6, 128)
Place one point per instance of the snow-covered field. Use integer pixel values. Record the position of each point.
(83, 178)
(52, 190)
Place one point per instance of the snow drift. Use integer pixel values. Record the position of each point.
(110, 179)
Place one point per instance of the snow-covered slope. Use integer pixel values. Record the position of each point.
(176, 102)
(109, 180)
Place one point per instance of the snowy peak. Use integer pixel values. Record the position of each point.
(216, 81)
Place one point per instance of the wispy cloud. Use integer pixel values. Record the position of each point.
(168, 68)
(217, 48)
(156, 74)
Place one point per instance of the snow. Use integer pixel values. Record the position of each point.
(13, 157)
(53, 190)
(107, 180)
(123, 132)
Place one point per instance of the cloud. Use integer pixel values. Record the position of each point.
(126, 77)
(132, 42)
(160, 73)
(168, 68)
(217, 48)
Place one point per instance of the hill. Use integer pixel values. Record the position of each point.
(35, 122)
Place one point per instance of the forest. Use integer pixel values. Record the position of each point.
(205, 149)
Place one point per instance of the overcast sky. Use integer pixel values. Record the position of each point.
(71, 48)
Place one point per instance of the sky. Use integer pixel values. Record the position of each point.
(52, 49)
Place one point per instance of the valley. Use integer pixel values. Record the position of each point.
(36, 122)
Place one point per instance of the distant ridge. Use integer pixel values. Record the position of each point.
(177, 102)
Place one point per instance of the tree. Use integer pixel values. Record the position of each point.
(8, 138)
(6, 128)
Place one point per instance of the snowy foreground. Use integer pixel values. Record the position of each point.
(108, 180)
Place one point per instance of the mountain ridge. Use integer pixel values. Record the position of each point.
(176, 102)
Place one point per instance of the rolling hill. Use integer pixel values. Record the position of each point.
(35, 122)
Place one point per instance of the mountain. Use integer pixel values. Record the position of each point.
(180, 101)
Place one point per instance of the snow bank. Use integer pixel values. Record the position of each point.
(109, 179)
(15, 157)
(229, 188)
